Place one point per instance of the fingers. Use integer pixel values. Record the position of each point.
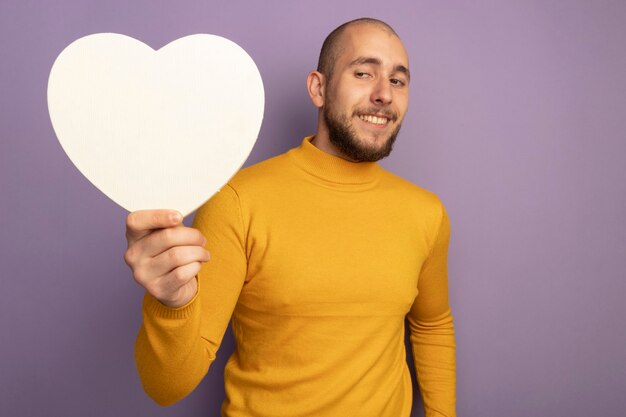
(162, 240)
(140, 223)
(169, 276)
(176, 257)
(164, 250)
(177, 287)
(164, 255)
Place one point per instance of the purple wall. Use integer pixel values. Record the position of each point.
(517, 121)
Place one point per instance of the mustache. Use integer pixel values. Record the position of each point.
(391, 115)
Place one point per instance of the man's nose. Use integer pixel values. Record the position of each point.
(381, 94)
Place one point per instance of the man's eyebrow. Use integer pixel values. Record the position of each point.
(375, 61)
(366, 60)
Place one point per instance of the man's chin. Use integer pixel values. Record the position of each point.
(373, 143)
(362, 150)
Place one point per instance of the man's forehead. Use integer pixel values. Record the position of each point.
(369, 39)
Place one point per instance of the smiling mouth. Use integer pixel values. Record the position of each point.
(377, 120)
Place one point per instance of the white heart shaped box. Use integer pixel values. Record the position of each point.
(156, 129)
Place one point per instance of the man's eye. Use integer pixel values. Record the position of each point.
(397, 82)
(361, 74)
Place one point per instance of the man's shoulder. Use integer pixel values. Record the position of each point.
(262, 173)
(413, 199)
(410, 191)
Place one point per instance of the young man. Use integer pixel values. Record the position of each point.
(317, 255)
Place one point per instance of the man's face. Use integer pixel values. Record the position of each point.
(367, 96)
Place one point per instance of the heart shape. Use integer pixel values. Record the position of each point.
(156, 129)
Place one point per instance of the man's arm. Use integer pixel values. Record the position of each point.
(176, 345)
(432, 330)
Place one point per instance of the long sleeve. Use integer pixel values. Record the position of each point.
(432, 330)
(175, 347)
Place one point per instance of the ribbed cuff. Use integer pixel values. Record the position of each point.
(154, 307)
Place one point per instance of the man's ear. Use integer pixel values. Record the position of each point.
(316, 86)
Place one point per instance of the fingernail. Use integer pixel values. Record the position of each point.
(176, 217)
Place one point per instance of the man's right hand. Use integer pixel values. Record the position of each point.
(164, 255)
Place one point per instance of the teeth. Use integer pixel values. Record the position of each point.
(374, 119)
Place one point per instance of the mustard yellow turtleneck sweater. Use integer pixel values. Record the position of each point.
(318, 260)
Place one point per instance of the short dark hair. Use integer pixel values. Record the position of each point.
(331, 46)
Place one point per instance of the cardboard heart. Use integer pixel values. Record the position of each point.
(156, 129)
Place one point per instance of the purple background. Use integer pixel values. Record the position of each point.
(517, 121)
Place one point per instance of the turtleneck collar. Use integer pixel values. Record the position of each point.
(333, 168)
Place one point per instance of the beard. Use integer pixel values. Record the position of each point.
(341, 133)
